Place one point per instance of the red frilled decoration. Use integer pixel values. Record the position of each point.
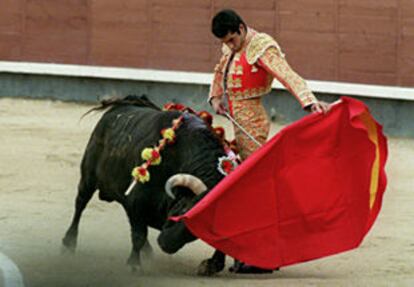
(313, 190)
(177, 107)
(230, 146)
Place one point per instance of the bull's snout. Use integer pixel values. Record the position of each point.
(168, 246)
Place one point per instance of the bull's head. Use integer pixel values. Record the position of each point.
(185, 190)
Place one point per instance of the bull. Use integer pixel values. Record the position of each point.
(188, 169)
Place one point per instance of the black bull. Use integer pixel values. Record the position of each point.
(130, 125)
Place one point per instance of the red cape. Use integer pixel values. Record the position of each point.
(313, 190)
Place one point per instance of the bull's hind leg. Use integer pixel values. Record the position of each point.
(86, 189)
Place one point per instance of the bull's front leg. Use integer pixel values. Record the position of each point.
(139, 232)
(212, 265)
(139, 238)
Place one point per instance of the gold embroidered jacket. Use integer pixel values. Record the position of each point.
(252, 70)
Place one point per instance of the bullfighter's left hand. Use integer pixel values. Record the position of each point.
(320, 107)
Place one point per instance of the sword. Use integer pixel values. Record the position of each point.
(242, 128)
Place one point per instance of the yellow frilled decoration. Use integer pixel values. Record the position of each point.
(141, 174)
(152, 156)
(168, 134)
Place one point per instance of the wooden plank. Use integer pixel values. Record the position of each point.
(181, 16)
(314, 7)
(388, 79)
(121, 46)
(10, 47)
(261, 20)
(315, 65)
(406, 48)
(183, 34)
(121, 53)
(407, 8)
(64, 48)
(118, 44)
(56, 17)
(308, 22)
(215, 54)
(373, 8)
(317, 62)
(119, 13)
(124, 33)
(56, 31)
(368, 25)
(367, 43)
(11, 17)
(237, 4)
(406, 63)
(369, 62)
(407, 28)
(307, 41)
(312, 15)
(180, 65)
(407, 81)
(120, 33)
(178, 51)
(183, 3)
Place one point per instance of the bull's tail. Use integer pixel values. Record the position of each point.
(141, 101)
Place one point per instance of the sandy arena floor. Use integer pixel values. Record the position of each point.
(41, 144)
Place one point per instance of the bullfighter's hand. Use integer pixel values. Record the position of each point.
(218, 106)
(320, 107)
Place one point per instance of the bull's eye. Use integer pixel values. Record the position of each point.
(186, 208)
(182, 205)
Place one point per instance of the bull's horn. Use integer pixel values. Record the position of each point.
(187, 180)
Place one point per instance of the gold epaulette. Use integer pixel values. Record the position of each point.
(258, 45)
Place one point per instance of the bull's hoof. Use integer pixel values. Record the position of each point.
(68, 245)
(242, 268)
(134, 263)
(136, 269)
(210, 267)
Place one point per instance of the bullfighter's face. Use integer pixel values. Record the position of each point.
(235, 40)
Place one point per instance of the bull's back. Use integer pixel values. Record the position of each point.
(116, 144)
